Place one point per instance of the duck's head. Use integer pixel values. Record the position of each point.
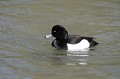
(59, 32)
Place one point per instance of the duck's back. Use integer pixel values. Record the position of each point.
(75, 39)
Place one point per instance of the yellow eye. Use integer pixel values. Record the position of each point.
(54, 31)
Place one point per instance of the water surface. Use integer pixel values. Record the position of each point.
(26, 54)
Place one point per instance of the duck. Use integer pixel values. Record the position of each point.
(69, 42)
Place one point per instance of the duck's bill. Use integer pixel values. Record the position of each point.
(48, 36)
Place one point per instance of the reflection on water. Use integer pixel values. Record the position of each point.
(26, 54)
(70, 58)
(78, 56)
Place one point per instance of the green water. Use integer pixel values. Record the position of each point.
(26, 54)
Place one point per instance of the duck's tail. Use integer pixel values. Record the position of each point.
(93, 43)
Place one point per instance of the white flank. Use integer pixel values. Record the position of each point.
(80, 46)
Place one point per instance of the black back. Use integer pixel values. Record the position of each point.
(74, 39)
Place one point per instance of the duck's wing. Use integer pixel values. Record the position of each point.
(74, 39)
(91, 41)
(87, 38)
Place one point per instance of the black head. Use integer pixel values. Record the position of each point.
(59, 32)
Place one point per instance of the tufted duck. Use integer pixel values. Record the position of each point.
(69, 42)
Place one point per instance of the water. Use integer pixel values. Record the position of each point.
(26, 54)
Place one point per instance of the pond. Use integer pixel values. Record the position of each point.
(26, 54)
